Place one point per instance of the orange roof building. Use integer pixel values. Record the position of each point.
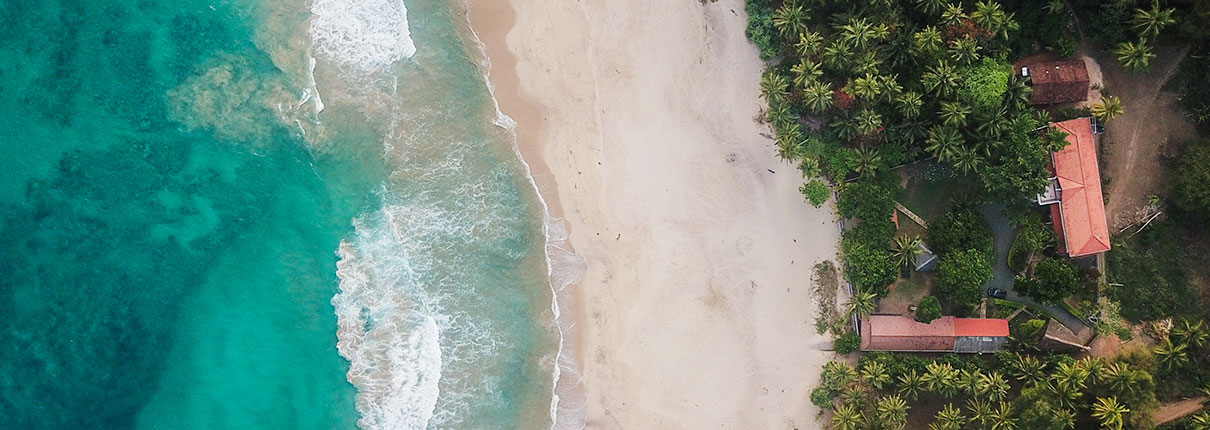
(1076, 204)
(945, 334)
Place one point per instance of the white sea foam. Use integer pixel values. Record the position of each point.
(361, 37)
(392, 340)
(569, 402)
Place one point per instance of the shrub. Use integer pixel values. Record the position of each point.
(1054, 280)
(1033, 237)
(822, 397)
(960, 229)
(928, 310)
(847, 343)
(870, 268)
(960, 276)
(984, 84)
(816, 192)
(867, 200)
(760, 28)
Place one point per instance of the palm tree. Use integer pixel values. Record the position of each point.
(968, 380)
(845, 126)
(837, 55)
(927, 41)
(1018, 92)
(890, 87)
(859, 33)
(1094, 366)
(838, 374)
(1119, 378)
(993, 385)
(779, 115)
(1070, 377)
(1191, 333)
(954, 114)
(1149, 22)
(1029, 369)
(1171, 355)
(875, 374)
(1109, 412)
(869, 161)
(943, 142)
(1002, 419)
(941, 378)
(1066, 395)
(941, 78)
(948, 418)
(868, 121)
(1065, 418)
(817, 96)
(908, 104)
(953, 15)
(892, 412)
(930, 7)
(1134, 56)
(866, 87)
(790, 18)
(980, 409)
(845, 417)
(910, 384)
(965, 50)
(906, 249)
(1056, 7)
(773, 85)
(1107, 109)
(861, 304)
(805, 72)
(1200, 421)
(866, 63)
(809, 44)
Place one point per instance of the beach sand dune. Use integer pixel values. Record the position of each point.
(639, 119)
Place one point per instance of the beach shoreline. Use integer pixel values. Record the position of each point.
(639, 126)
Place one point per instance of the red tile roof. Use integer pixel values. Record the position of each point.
(902, 333)
(899, 325)
(980, 327)
(1058, 82)
(1082, 207)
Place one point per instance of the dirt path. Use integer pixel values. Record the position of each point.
(1178, 410)
(1135, 142)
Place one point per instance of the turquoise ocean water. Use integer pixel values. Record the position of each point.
(271, 214)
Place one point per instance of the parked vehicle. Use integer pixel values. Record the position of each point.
(997, 293)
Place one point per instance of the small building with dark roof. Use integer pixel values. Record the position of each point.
(1058, 82)
(945, 334)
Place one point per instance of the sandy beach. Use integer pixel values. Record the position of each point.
(639, 120)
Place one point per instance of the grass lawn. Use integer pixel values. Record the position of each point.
(931, 188)
(906, 292)
(1151, 274)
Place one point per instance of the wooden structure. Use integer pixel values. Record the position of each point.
(1058, 82)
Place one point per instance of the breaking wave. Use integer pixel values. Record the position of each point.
(361, 37)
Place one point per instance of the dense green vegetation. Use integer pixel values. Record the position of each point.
(857, 87)
(1008, 391)
(1191, 183)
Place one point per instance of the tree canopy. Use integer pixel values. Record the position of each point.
(960, 276)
